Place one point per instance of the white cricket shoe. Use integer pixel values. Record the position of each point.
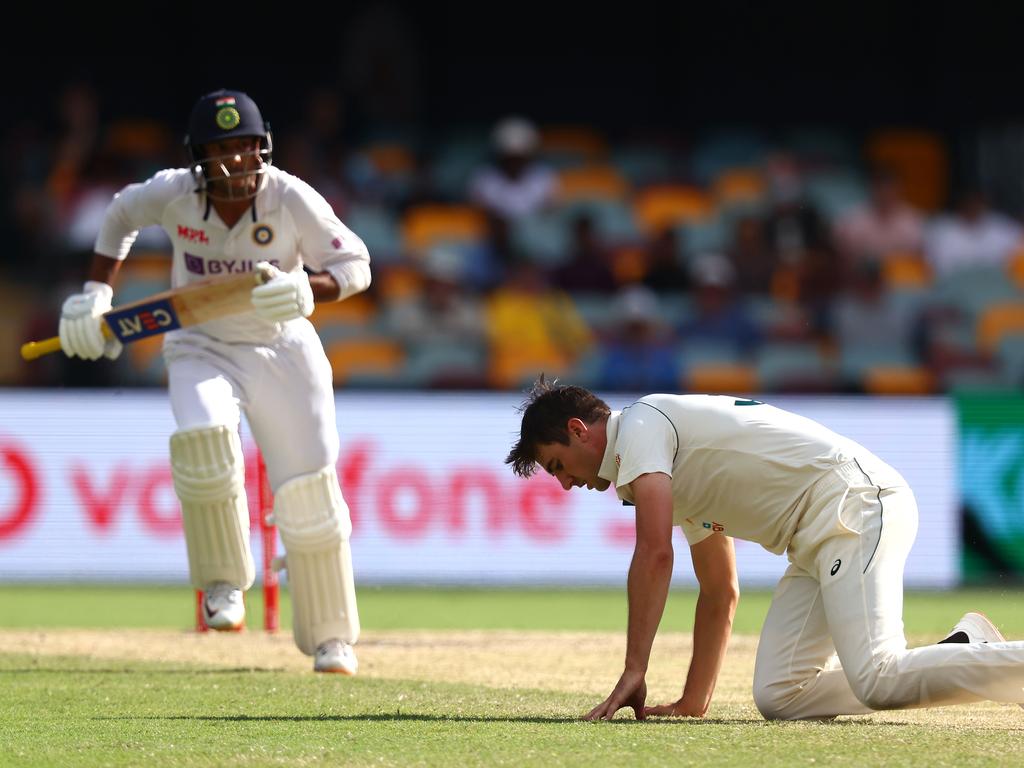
(223, 607)
(975, 627)
(336, 657)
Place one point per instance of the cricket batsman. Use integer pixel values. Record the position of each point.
(232, 211)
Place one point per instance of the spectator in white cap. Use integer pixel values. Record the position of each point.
(514, 184)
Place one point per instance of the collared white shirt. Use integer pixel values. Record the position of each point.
(289, 224)
(738, 466)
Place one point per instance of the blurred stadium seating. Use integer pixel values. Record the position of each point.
(407, 197)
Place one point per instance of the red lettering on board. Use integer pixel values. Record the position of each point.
(465, 484)
(156, 484)
(542, 509)
(100, 505)
(411, 489)
(16, 464)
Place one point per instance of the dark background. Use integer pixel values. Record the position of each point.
(627, 68)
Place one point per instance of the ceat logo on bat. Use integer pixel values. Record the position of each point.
(144, 320)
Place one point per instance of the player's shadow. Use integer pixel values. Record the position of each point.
(139, 671)
(414, 717)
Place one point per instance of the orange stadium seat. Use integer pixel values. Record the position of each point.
(376, 358)
(898, 380)
(714, 378)
(669, 205)
(355, 312)
(430, 224)
(901, 271)
(1015, 267)
(919, 159)
(573, 143)
(738, 185)
(390, 158)
(998, 320)
(596, 182)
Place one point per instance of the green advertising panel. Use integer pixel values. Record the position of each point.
(992, 487)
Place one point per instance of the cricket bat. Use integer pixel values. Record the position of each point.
(162, 312)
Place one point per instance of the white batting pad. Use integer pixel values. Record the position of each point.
(314, 523)
(209, 479)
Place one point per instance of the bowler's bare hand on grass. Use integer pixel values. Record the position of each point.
(630, 691)
(680, 708)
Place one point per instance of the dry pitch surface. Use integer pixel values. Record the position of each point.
(571, 662)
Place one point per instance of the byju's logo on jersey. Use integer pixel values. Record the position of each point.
(197, 265)
(716, 527)
(193, 235)
(142, 321)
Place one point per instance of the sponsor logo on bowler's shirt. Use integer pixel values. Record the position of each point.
(336, 242)
(197, 265)
(716, 527)
(142, 321)
(193, 235)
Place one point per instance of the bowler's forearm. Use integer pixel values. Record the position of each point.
(647, 587)
(711, 630)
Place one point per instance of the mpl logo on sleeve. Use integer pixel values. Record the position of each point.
(141, 321)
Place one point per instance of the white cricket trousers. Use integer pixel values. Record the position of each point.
(285, 388)
(833, 642)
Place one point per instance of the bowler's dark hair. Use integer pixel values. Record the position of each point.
(546, 413)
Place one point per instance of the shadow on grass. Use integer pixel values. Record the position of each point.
(414, 717)
(129, 671)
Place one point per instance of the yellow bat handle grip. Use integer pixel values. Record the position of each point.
(33, 349)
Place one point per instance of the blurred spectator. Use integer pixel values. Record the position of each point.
(514, 184)
(664, 271)
(885, 226)
(973, 236)
(807, 269)
(640, 355)
(532, 328)
(589, 267)
(78, 106)
(751, 256)
(314, 150)
(867, 315)
(719, 315)
(443, 311)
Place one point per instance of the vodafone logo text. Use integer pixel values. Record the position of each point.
(19, 497)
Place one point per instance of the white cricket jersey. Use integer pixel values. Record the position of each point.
(289, 224)
(738, 466)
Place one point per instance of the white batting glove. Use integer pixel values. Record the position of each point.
(284, 297)
(81, 325)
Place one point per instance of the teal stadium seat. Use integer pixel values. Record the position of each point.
(725, 150)
(1011, 359)
(834, 193)
(378, 227)
(793, 367)
(446, 364)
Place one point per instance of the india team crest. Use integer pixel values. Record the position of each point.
(262, 234)
(228, 118)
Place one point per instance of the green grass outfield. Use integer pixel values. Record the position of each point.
(86, 710)
(36, 606)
